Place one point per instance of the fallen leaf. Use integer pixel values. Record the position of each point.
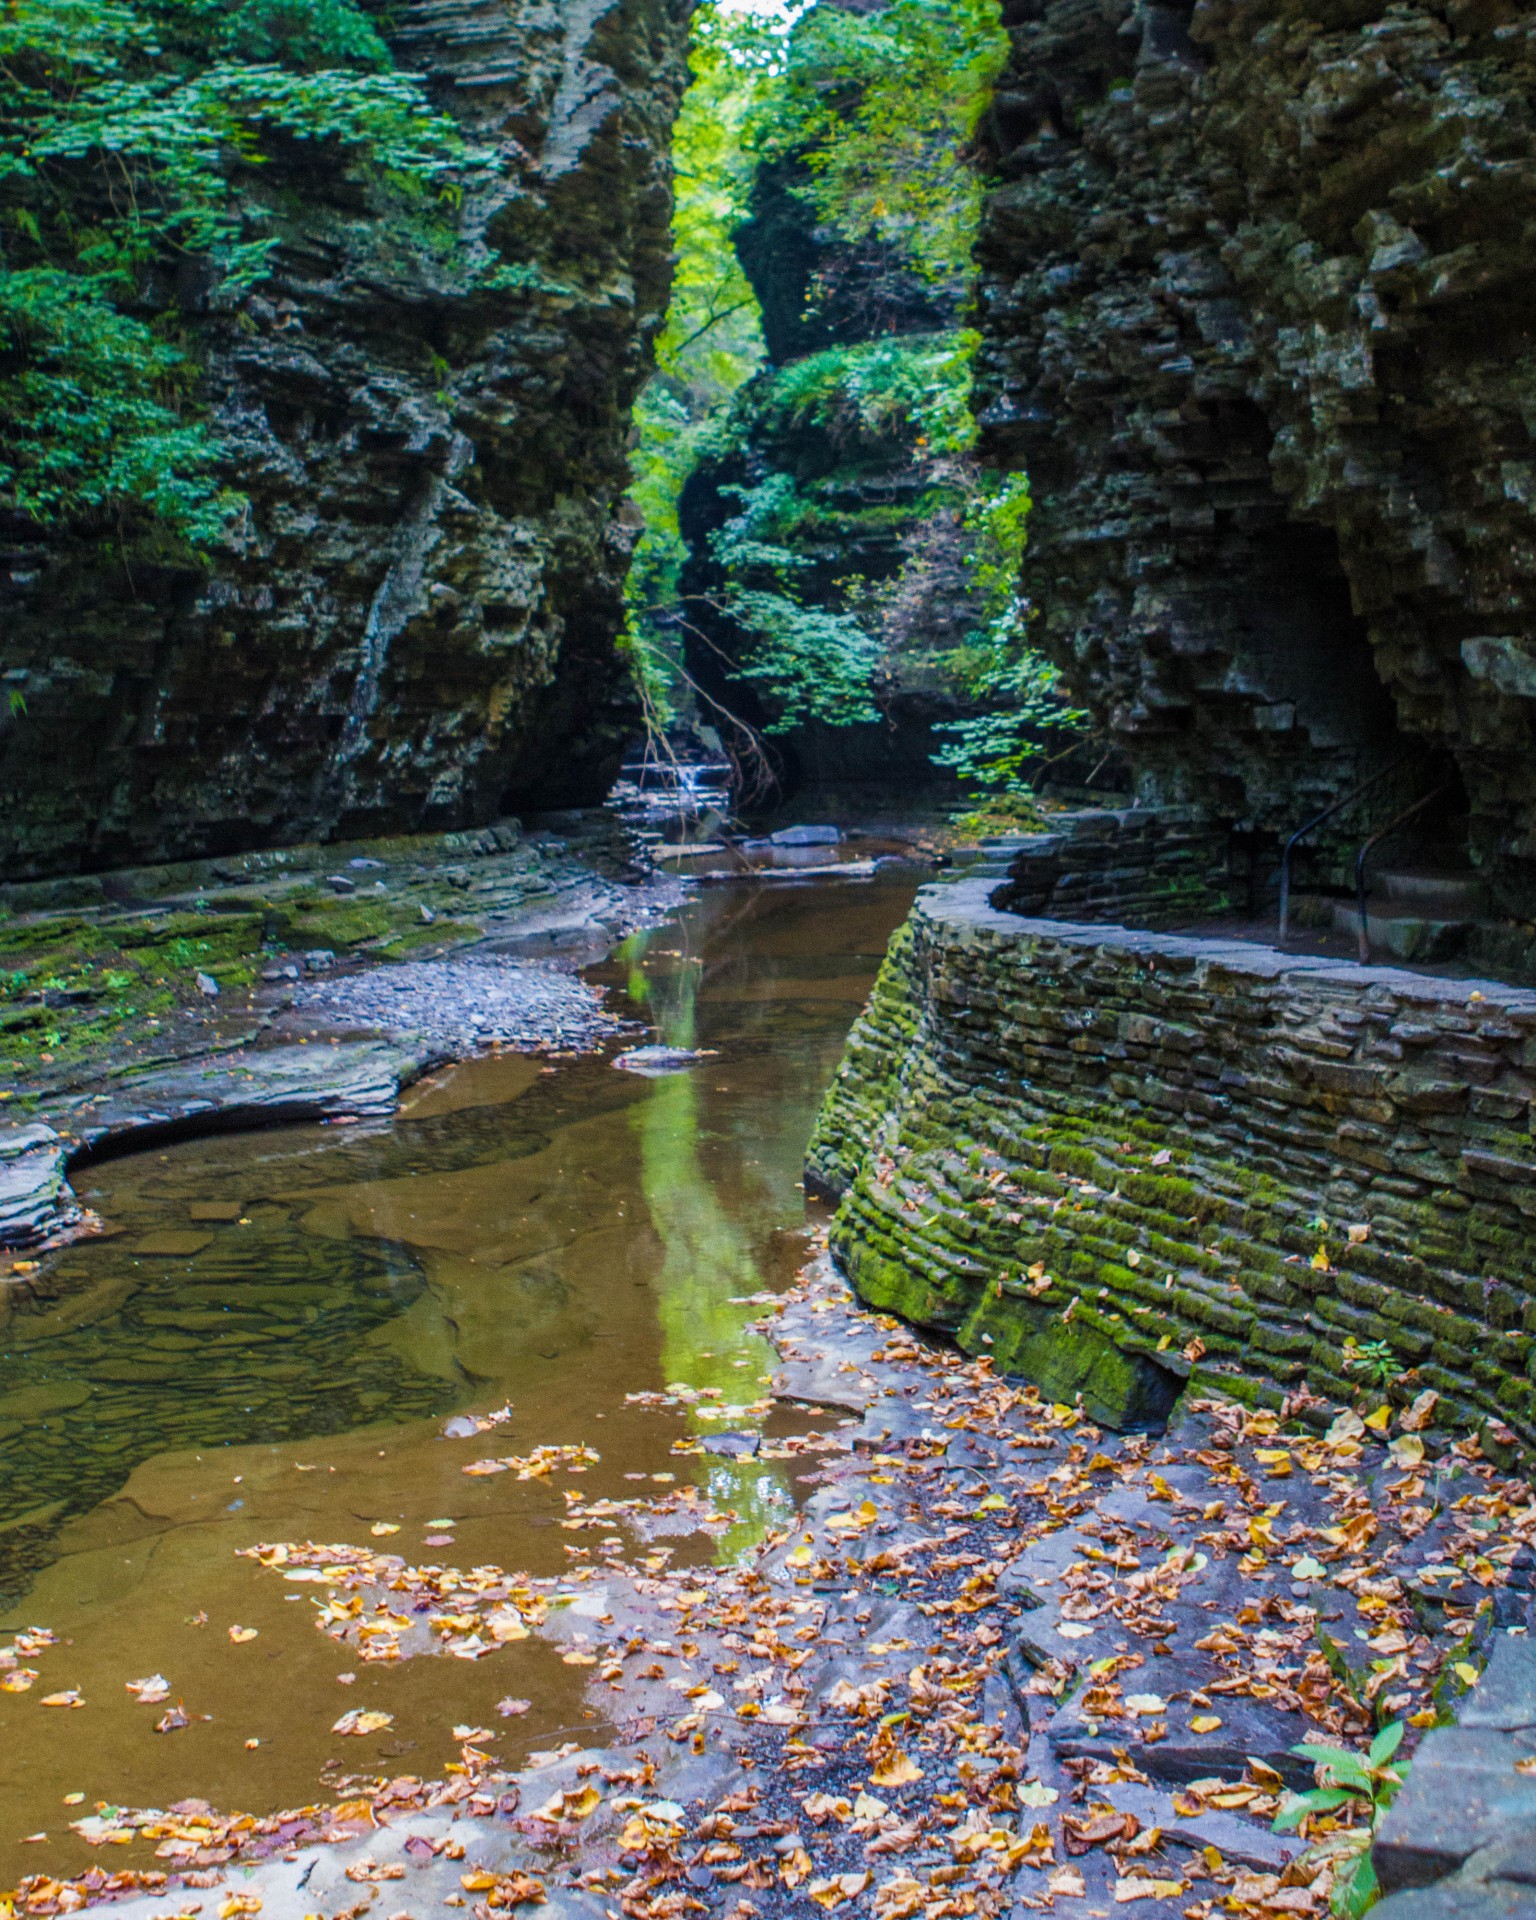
(241, 1634)
(896, 1770)
(172, 1720)
(1035, 1793)
(1204, 1722)
(508, 1707)
(70, 1697)
(359, 1721)
(1135, 1888)
(149, 1692)
(1068, 1882)
(840, 1887)
(1422, 1412)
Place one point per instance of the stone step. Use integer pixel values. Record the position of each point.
(1442, 893)
(1401, 931)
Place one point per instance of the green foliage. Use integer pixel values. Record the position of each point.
(1342, 1812)
(129, 132)
(916, 387)
(1373, 1360)
(992, 752)
(878, 106)
(814, 663)
(712, 341)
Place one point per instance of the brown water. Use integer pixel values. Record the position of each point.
(556, 1237)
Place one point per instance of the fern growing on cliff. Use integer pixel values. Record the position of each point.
(129, 130)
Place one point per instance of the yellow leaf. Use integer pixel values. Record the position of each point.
(239, 1903)
(580, 1806)
(70, 1697)
(842, 1886)
(1464, 1671)
(801, 1557)
(1135, 1888)
(1381, 1419)
(896, 1770)
(358, 1721)
(993, 1503)
(1205, 1722)
(381, 1527)
(1319, 1265)
(1406, 1451)
(241, 1634)
(477, 1882)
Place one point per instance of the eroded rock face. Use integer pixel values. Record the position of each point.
(1258, 321)
(415, 626)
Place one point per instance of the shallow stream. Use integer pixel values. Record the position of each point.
(274, 1334)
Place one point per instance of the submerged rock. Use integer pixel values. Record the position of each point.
(653, 1062)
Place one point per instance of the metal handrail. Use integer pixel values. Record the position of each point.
(1364, 854)
(1301, 833)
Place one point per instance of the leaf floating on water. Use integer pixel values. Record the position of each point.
(241, 1634)
(360, 1721)
(381, 1527)
(17, 1679)
(172, 1720)
(149, 1692)
(70, 1697)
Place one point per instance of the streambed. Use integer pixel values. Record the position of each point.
(271, 1341)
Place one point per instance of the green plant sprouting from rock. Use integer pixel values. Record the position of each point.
(1360, 1787)
(138, 141)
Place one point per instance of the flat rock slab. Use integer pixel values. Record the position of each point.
(261, 1086)
(35, 1199)
(1461, 1900)
(1463, 1794)
(1504, 1699)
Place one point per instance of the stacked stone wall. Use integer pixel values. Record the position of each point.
(1148, 865)
(1119, 1159)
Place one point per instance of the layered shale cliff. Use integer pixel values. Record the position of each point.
(1258, 321)
(413, 626)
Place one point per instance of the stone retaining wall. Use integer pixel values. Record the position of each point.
(1114, 1159)
(1150, 865)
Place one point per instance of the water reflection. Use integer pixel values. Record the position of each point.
(267, 1346)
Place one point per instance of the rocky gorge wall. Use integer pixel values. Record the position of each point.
(1118, 1160)
(414, 626)
(1258, 321)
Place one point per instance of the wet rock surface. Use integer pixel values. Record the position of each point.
(256, 1025)
(887, 1708)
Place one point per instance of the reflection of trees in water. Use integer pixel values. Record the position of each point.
(707, 1255)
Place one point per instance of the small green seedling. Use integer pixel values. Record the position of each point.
(1348, 1783)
